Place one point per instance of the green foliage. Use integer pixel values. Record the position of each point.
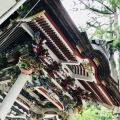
(116, 26)
(26, 6)
(119, 62)
(1, 91)
(114, 3)
(92, 112)
(103, 19)
(116, 43)
(100, 33)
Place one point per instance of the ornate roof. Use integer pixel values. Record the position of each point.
(64, 65)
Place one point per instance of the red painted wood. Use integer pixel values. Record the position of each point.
(55, 100)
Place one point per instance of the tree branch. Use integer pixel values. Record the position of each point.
(96, 10)
(105, 6)
(96, 26)
(100, 11)
(91, 25)
(117, 6)
(110, 32)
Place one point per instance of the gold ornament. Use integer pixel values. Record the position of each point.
(87, 66)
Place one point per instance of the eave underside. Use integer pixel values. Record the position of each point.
(70, 33)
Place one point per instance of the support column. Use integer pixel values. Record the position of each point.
(70, 114)
(116, 113)
(12, 95)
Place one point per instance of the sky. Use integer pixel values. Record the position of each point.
(81, 17)
(75, 15)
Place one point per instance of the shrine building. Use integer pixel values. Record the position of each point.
(48, 67)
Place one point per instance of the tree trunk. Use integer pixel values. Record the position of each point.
(116, 23)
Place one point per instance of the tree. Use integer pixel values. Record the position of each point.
(101, 18)
(92, 112)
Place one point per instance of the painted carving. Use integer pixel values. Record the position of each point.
(28, 65)
(87, 66)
